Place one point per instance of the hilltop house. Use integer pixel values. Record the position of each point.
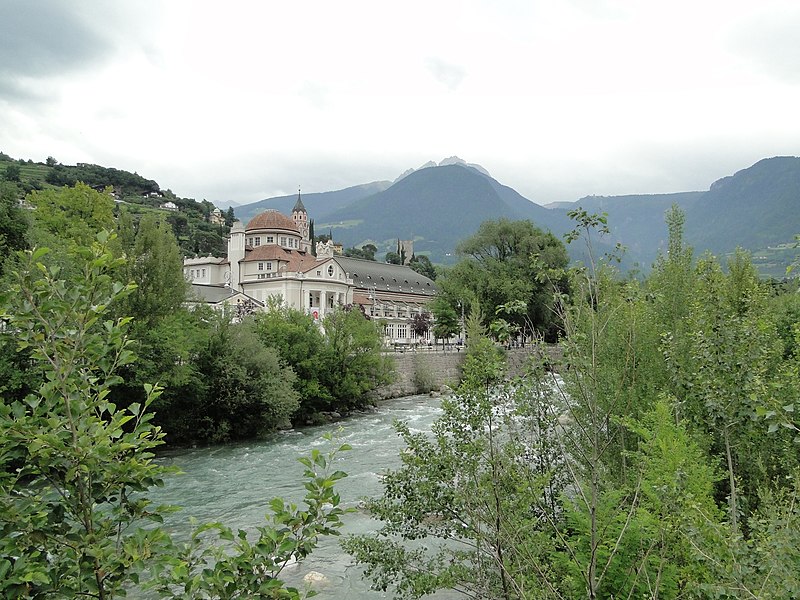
(271, 257)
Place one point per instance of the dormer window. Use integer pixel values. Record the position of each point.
(330, 270)
(257, 240)
(270, 239)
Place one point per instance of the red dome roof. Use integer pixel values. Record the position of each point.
(271, 219)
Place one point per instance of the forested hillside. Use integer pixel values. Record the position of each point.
(190, 220)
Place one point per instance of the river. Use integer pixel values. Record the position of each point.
(234, 483)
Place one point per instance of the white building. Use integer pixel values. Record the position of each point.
(271, 257)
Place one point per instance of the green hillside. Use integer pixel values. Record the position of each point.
(132, 192)
(756, 208)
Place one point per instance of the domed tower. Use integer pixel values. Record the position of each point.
(300, 218)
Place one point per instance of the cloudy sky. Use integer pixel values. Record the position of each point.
(242, 100)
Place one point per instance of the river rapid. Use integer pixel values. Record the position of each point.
(234, 483)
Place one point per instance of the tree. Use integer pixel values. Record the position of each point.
(13, 173)
(353, 365)
(366, 252)
(73, 215)
(393, 258)
(74, 466)
(155, 265)
(420, 324)
(13, 223)
(300, 343)
(248, 392)
(422, 265)
(451, 508)
(503, 263)
(51, 162)
(446, 320)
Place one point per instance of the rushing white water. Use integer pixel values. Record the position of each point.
(234, 483)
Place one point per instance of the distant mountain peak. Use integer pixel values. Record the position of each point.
(445, 162)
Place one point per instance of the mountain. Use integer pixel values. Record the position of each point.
(434, 206)
(319, 205)
(756, 207)
(635, 221)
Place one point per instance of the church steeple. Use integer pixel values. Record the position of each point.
(298, 206)
(300, 218)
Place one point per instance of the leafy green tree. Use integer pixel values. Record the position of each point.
(13, 173)
(422, 265)
(460, 511)
(503, 263)
(734, 350)
(71, 214)
(393, 258)
(155, 265)
(13, 223)
(300, 344)
(74, 466)
(352, 363)
(248, 390)
(446, 321)
(366, 252)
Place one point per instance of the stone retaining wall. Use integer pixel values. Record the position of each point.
(421, 372)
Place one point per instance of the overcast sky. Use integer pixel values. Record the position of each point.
(243, 100)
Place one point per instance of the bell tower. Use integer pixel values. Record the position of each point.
(300, 218)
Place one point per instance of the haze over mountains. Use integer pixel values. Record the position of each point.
(438, 205)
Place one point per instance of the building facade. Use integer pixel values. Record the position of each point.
(270, 260)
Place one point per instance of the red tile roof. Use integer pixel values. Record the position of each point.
(272, 219)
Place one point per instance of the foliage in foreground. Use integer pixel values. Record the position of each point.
(76, 469)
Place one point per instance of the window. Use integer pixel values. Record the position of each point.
(257, 240)
(269, 266)
(270, 239)
(330, 271)
(192, 274)
(319, 273)
(204, 273)
(402, 331)
(260, 266)
(283, 240)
